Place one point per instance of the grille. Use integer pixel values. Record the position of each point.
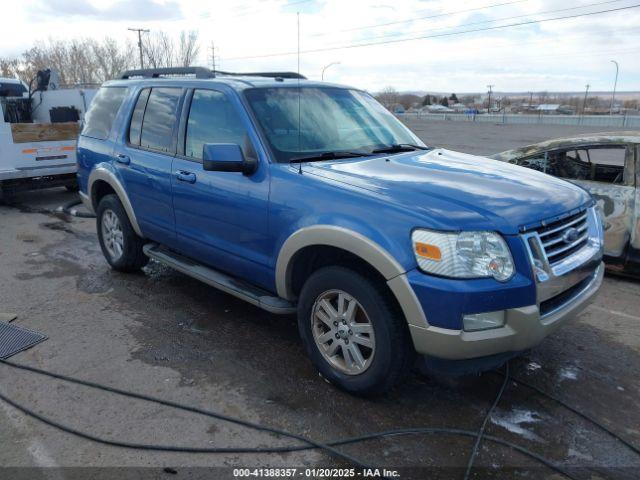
(559, 240)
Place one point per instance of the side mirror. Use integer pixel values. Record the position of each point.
(226, 157)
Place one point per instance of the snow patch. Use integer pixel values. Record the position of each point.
(514, 419)
(568, 373)
(533, 366)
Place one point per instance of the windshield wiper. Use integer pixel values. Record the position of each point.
(399, 147)
(327, 156)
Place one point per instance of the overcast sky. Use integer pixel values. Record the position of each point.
(560, 55)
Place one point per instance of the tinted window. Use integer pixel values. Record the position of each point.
(136, 119)
(11, 89)
(102, 112)
(160, 118)
(212, 119)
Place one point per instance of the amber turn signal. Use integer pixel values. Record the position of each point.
(430, 252)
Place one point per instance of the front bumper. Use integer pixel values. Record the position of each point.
(38, 171)
(524, 328)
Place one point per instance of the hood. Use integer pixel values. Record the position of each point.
(456, 191)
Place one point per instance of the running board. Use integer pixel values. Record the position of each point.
(233, 286)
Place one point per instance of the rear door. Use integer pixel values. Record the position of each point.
(221, 217)
(144, 160)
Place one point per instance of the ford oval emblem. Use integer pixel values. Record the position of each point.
(570, 235)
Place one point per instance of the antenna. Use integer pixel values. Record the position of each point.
(299, 107)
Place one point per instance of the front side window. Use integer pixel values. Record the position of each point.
(102, 112)
(597, 164)
(160, 117)
(312, 120)
(212, 119)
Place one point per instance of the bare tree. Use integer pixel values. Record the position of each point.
(110, 58)
(388, 97)
(161, 50)
(189, 48)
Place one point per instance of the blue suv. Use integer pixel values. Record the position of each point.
(311, 198)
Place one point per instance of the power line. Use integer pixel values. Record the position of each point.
(250, 9)
(424, 37)
(397, 34)
(444, 14)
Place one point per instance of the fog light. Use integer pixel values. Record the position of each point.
(483, 321)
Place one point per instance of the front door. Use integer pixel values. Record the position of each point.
(221, 217)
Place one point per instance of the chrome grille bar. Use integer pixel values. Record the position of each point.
(558, 251)
(550, 243)
(582, 218)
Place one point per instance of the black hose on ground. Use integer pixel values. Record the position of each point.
(476, 446)
(586, 416)
(309, 444)
(69, 210)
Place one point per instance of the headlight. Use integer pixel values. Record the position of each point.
(463, 255)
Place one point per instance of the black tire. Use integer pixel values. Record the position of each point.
(132, 258)
(394, 351)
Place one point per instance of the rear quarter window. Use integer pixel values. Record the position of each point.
(102, 112)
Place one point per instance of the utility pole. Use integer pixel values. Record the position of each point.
(615, 84)
(490, 87)
(140, 32)
(584, 103)
(530, 99)
(213, 58)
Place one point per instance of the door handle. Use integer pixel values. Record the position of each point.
(124, 159)
(186, 177)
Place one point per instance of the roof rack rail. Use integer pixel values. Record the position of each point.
(199, 72)
(293, 75)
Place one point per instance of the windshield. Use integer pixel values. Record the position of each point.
(332, 120)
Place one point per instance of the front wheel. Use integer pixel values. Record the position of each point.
(120, 244)
(353, 331)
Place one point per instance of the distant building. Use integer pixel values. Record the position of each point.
(554, 109)
(438, 109)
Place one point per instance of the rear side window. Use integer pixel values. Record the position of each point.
(159, 118)
(102, 112)
(135, 129)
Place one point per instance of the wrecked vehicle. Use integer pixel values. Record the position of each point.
(311, 198)
(608, 166)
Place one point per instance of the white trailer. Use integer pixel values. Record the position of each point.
(38, 135)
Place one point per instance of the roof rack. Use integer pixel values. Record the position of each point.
(201, 72)
(293, 75)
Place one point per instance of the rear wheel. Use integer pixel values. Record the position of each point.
(120, 244)
(353, 331)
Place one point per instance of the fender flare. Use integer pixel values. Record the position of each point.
(359, 245)
(106, 175)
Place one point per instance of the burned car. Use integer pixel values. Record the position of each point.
(608, 166)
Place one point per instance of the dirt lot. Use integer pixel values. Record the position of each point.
(164, 334)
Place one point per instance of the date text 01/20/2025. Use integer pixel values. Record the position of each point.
(316, 472)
